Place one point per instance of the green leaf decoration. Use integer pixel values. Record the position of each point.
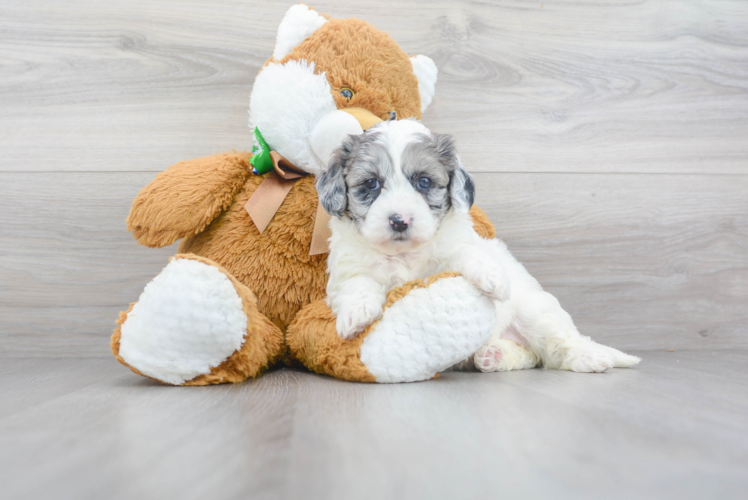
(260, 161)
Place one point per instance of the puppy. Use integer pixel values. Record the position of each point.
(400, 197)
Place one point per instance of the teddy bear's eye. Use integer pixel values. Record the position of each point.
(393, 115)
(347, 93)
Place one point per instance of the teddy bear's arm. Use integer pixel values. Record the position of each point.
(182, 200)
(481, 223)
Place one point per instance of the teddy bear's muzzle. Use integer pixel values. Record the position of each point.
(364, 117)
(330, 130)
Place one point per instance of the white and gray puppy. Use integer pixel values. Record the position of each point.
(400, 197)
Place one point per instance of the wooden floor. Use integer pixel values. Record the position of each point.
(609, 143)
(675, 427)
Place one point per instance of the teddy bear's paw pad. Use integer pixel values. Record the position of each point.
(188, 320)
(428, 330)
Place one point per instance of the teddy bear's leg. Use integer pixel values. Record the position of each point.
(427, 326)
(195, 324)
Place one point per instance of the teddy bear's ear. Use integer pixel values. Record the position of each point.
(297, 25)
(425, 71)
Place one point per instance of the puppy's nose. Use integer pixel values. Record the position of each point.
(398, 223)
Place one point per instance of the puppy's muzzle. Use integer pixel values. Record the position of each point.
(398, 223)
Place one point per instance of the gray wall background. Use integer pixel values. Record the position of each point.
(609, 141)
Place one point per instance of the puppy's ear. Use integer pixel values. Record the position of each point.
(331, 187)
(461, 185)
(461, 189)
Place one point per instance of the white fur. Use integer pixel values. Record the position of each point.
(291, 105)
(424, 333)
(299, 23)
(188, 320)
(287, 102)
(399, 197)
(503, 355)
(361, 274)
(364, 265)
(426, 73)
(329, 132)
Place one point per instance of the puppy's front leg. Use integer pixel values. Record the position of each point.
(482, 270)
(357, 303)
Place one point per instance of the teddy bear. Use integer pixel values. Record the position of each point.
(246, 289)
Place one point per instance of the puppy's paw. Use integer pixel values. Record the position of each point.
(489, 278)
(589, 357)
(354, 317)
(488, 358)
(501, 355)
(593, 357)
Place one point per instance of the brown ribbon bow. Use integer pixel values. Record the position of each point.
(269, 196)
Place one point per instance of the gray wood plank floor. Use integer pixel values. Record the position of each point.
(673, 428)
(637, 278)
(650, 86)
(608, 142)
(609, 145)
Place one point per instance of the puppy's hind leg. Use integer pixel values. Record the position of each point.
(501, 355)
(551, 333)
(504, 351)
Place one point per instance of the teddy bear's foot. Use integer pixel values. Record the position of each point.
(194, 324)
(427, 329)
(427, 326)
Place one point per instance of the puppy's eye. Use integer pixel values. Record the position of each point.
(347, 93)
(393, 115)
(424, 183)
(372, 184)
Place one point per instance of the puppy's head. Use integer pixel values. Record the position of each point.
(396, 182)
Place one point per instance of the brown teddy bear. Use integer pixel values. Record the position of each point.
(246, 289)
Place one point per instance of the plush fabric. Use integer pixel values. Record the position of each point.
(313, 340)
(299, 23)
(177, 340)
(195, 325)
(426, 72)
(276, 264)
(482, 224)
(426, 324)
(287, 101)
(185, 327)
(355, 55)
(182, 200)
